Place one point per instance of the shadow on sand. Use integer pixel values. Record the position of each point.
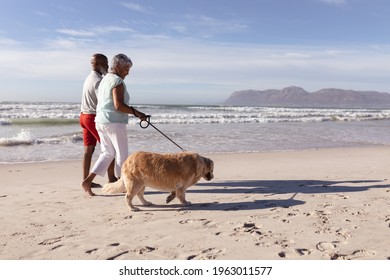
(266, 188)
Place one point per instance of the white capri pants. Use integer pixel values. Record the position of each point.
(113, 143)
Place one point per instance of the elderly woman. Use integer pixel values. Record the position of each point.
(111, 119)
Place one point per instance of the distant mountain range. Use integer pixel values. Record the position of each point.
(297, 97)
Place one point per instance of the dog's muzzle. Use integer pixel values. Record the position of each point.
(209, 176)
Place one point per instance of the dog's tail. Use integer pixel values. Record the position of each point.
(115, 187)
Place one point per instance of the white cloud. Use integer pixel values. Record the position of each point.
(94, 32)
(186, 70)
(41, 14)
(76, 33)
(135, 7)
(6, 42)
(178, 27)
(111, 28)
(63, 44)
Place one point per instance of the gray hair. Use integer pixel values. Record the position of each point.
(119, 60)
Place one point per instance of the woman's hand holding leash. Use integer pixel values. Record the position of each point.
(143, 117)
(138, 114)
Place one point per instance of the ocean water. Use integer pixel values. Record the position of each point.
(35, 132)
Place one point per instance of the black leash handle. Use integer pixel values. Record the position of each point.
(147, 121)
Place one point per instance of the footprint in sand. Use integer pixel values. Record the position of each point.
(56, 247)
(91, 251)
(323, 217)
(18, 233)
(387, 219)
(284, 243)
(283, 254)
(204, 222)
(362, 254)
(293, 253)
(265, 244)
(118, 255)
(344, 233)
(289, 215)
(337, 256)
(50, 241)
(325, 246)
(208, 254)
(143, 250)
(303, 252)
(189, 221)
(36, 225)
(249, 227)
(112, 245)
(358, 254)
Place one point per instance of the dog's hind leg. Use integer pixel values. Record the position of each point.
(141, 197)
(132, 189)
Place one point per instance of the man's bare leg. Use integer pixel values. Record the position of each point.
(87, 159)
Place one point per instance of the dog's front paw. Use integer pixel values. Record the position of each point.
(187, 203)
(147, 203)
(134, 209)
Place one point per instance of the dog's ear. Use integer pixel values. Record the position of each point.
(208, 162)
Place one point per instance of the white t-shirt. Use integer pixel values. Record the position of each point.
(89, 98)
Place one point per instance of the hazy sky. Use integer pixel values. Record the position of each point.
(194, 51)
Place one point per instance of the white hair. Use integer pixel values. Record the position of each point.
(119, 60)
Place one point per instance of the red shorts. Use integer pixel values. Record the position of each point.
(90, 134)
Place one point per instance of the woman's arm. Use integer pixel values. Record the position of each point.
(119, 103)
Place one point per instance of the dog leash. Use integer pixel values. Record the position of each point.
(149, 123)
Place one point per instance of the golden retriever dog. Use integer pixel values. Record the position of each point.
(166, 172)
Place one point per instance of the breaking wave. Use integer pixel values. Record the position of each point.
(24, 137)
(68, 114)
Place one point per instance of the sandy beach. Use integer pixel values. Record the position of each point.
(312, 204)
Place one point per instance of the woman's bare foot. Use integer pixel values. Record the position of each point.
(87, 188)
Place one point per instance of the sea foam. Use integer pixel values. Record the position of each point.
(24, 137)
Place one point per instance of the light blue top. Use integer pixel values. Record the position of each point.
(105, 110)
